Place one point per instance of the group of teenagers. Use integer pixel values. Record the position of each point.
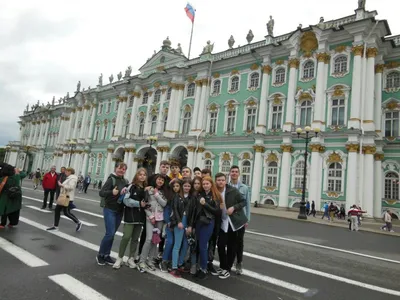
(174, 220)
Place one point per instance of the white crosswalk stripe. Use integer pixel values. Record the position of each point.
(21, 254)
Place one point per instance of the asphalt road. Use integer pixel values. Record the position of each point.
(284, 259)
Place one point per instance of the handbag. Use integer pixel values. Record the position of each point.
(205, 220)
(63, 199)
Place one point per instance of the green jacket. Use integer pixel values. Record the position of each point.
(233, 198)
(8, 206)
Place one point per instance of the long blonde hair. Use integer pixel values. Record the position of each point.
(135, 179)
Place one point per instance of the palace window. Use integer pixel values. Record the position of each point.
(393, 80)
(212, 129)
(169, 92)
(145, 98)
(141, 127)
(165, 122)
(127, 122)
(113, 127)
(99, 163)
(251, 119)
(216, 87)
(105, 131)
(246, 172)
(116, 105)
(338, 111)
(280, 76)
(391, 186)
(108, 109)
(340, 64)
(272, 174)
(231, 120)
(100, 111)
(186, 122)
(157, 96)
(298, 175)
(308, 70)
(97, 131)
(153, 127)
(254, 80)
(190, 90)
(226, 167)
(335, 177)
(91, 163)
(276, 117)
(392, 124)
(130, 104)
(305, 113)
(208, 164)
(234, 84)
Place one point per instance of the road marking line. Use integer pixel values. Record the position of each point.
(194, 287)
(326, 275)
(323, 247)
(21, 254)
(86, 199)
(38, 209)
(77, 288)
(83, 222)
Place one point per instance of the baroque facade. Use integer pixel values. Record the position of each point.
(242, 106)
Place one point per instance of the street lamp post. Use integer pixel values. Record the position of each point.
(302, 213)
(72, 147)
(151, 140)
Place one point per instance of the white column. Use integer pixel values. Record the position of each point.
(70, 125)
(177, 108)
(117, 132)
(61, 133)
(320, 91)
(378, 99)
(85, 163)
(315, 176)
(197, 103)
(368, 190)
(165, 154)
(356, 89)
(89, 137)
(257, 173)
(201, 119)
(134, 165)
(159, 157)
(21, 133)
(199, 158)
(31, 131)
(284, 173)
(370, 89)
(85, 118)
(107, 170)
(37, 131)
(120, 117)
(13, 156)
(37, 137)
(46, 132)
(172, 111)
(377, 212)
(289, 121)
(129, 163)
(134, 113)
(190, 158)
(351, 185)
(147, 123)
(262, 114)
(78, 116)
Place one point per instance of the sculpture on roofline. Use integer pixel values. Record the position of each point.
(38, 103)
(250, 36)
(53, 101)
(60, 100)
(208, 48)
(111, 78)
(88, 88)
(119, 75)
(270, 26)
(101, 79)
(128, 71)
(78, 86)
(361, 4)
(27, 107)
(179, 49)
(67, 95)
(231, 42)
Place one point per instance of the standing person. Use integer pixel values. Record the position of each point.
(60, 178)
(134, 218)
(10, 195)
(313, 211)
(326, 211)
(186, 173)
(205, 172)
(332, 210)
(112, 211)
(387, 218)
(175, 170)
(86, 183)
(197, 172)
(36, 179)
(208, 207)
(68, 187)
(244, 191)
(100, 184)
(94, 184)
(49, 186)
(353, 213)
(166, 258)
(232, 227)
(308, 206)
(154, 224)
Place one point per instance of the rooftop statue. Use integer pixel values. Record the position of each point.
(67, 95)
(60, 100)
(361, 4)
(179, 49)
(208, 48)
(78, 86)
(53, 101)
(270, 26)
(111, 78)
(119, 76)
(101, 79)
(27, 107)
(128, 71)
(231, 42)
(250, 36)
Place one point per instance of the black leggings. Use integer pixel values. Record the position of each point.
(67, 213)
(13, 218)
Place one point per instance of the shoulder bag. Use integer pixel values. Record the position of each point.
(63, 199)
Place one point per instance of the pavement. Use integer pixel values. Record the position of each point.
(284, 259)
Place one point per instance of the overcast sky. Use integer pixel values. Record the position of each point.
(47, 46)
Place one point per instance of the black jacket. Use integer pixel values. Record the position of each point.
(106, 192)
(210, 209)
(135, 215)
(182, 206)
(234, 199)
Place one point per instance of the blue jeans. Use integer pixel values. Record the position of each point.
(180, 245)
(169, 244)
(112, 220)
(203, 233)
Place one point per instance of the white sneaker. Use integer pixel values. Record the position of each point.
(131, 263)
(118, 263)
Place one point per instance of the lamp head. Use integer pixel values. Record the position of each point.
(299, 130)
(307, 129)
(317, 130)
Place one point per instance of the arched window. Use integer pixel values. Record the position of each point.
(99, 163)
(157, 96)
(216, 87)
(308, 69)
(338, 109)
(298, 175)
(153, 127)
(280, 75)
(392, 124)
(335, 177)
(145, 98)
(105, 131)
(91, 163)
(231, 120)
(272, 174)
(276, 117)
(226, 167)
(108, 109)
(186, 122)
(234, 83)
(251, 118)
(190, 90)
(393, 80)
(305, 113)
(169, 92)
(340, 64)
(97, 131)
(391, 186)
(213, 122)
(113, 127)
(246, 173)
(254, 80)
(208, 164)
(141, 126)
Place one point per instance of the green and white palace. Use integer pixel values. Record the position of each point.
(242, 107)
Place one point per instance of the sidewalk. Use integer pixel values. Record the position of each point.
(369, 225)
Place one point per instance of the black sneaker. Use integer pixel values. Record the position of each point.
(79, 226)
(201, 275)
(100, 260)
(53, 228)
(224, 274)
(109, 260)
(211, 269)
(164, 266)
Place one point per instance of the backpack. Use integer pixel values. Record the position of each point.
(14, 193)
(103, 199)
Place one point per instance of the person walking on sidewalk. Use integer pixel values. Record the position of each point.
(86, 183)
(387, 218)
(60, 178)
(326, 211)
(332, 211)
(49, 186)
(68, 187)
(353, 213)
(36, 179)
(313, 211)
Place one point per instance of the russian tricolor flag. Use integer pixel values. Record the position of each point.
(190, 12)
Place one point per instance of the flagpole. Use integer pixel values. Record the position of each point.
(190, 43)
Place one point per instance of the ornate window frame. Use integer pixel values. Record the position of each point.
(303, 62)
(386, 72)
(254, 88)
(91, 163)
(389, 166)
(225, 156)
(212, 108)
(297, 157)
(346, 53)
(328, 158)
(245, 156)
(268, 157)
(303, 96)
(157, 94)
(212, 93)
(208, 155)
(276, 99)
(250, 103)
(276, 66)
(235, 75)
(337, 91)
(189, 85)
(230, 105)
(186, 109)
(389, 105)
